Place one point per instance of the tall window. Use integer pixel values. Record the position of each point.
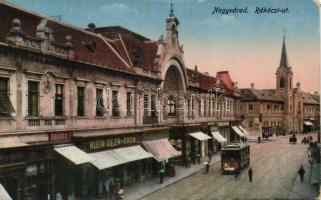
(80, 101)
(200, 107)
(251, 124)
(146, 103)
(129, 103)
(282, 83)
(6, 107)
(153, 106)
(171, 106)
(59, 99)
(115, 106)
(251, 107)
(33, 98)
(193, 107)
(99, 102)
(188, 107)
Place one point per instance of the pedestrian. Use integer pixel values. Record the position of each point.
(259, 139)
(301, 172)
(210, 156)
(237, 173)
(309, 153)
(250, 173)
(207, 167)
(161, 176)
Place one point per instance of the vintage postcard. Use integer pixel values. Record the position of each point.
(159, 99)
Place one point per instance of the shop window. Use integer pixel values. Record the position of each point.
(129, 100)
(35, 187)
(33, 98)
(99, 102)
(80, 101)
(59, 99)
(171, 106)
(115, 104)
(6, 107)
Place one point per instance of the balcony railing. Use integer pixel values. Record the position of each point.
(150, 120)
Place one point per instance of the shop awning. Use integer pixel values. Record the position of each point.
(110, 158)
(308, 123)
(161, 149)
(73, 153)
(238, 131)
(244, 131)
(4, 194)
(218, 137)
(200, 136)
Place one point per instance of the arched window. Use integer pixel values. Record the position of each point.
(282, 83)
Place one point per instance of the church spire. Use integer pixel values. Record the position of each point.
(171, 14)
(284, 57)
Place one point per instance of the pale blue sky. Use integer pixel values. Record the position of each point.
(240, 43)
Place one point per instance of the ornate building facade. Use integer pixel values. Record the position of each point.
(282, 110)
(83, 108)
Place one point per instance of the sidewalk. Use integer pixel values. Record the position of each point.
(139, 190)
(304, 190)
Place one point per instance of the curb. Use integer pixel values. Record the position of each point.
(214, 162)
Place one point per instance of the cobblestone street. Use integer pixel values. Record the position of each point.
(275, 165)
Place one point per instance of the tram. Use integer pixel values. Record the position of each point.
(235, 157)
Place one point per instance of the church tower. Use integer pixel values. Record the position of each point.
(284, 89)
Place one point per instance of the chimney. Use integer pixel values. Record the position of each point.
(91, 27)
(235, 84)
(206, 73)
(252, 85)
(195, 68)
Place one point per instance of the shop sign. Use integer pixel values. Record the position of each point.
(154, 135)
(59, 136)
(111, 142)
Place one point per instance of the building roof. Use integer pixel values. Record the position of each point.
(106, 53)
(203, 81)
(226, 80)
(249, 94)
(310, 98)
(112, 47)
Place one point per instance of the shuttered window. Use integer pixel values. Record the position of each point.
(6, 107)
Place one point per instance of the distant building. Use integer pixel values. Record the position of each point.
(282, 110)
(82, 108)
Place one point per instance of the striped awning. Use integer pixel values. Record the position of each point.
(73, 154)
(161, 149)
(218, 137)
(308, 123)
(4, 194)
(244, 131)
(110, 158)
(5, 104)
(200, 136)
(238, 131)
